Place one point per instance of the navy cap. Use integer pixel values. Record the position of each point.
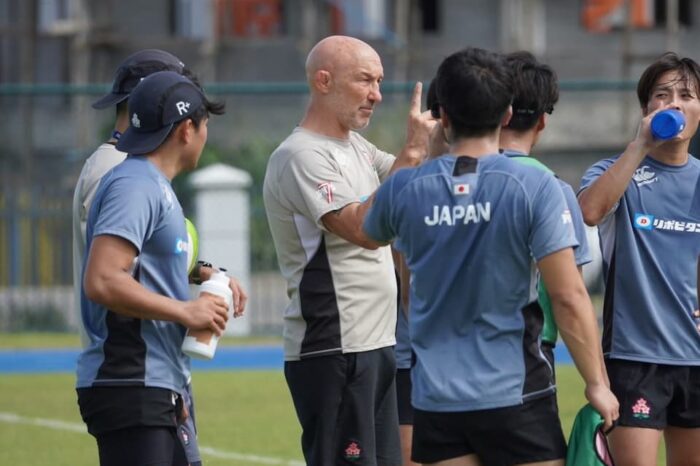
(136, 67)
(158, 102)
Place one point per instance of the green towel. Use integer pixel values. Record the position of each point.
(588, 445)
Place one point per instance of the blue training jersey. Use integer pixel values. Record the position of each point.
(469, 230)
(650, 244)
(581, 252)
(136, 202)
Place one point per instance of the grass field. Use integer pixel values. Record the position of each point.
(244, 418)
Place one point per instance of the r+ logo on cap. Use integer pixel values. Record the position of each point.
(182, 107)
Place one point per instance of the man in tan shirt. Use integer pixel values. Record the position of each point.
(340, 323)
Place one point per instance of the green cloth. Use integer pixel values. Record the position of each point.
(549, 327)
(582, 441)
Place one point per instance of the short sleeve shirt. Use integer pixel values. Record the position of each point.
(651, 244)
(135, 202)
(100, 162)
(469, 230)
(342, 297)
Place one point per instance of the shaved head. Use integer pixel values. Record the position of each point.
(335, 54)
(344, 76)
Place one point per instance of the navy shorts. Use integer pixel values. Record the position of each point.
(154, 446)
(655, 395)
(114, 414)
(187, 431)
(346, 405)
(403, 396)
(525, 433)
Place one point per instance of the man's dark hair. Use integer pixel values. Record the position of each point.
(687, 68)
(535, 90)
(474, 90)
(431, 100)
(211, 107)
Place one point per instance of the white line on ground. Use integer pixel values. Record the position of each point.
(12, 418)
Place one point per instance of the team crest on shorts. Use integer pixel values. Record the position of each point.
(184, 436)
(641, 409)
(353, 451)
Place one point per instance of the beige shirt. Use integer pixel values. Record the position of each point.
(100, 162)
(343, 297)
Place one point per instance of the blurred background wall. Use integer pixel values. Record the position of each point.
(56, 56)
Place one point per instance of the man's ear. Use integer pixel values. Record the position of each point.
(507, 116)
(445, 124)
(185, 131)
(323, 81)
(444, 121)
(541, 122)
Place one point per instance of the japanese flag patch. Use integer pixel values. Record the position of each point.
(460, 189)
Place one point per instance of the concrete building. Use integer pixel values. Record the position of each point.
(56, 56)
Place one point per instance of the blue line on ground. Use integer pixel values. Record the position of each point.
(226, 358)
(64, 360)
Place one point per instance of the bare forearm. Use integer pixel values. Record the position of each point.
(598, 199)
(123, 295)
(347, 223)
(575, 317)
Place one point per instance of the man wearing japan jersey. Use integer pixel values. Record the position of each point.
(646, 203)
(469, 224)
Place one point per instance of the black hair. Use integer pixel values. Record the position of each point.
(535, 90)
(474, 90)
(431, 100)
(207, 108)
(212, 107)
(122, 107)
(688, 69)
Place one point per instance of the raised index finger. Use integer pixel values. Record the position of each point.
(416, 98)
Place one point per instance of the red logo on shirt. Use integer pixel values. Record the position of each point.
(325, 191)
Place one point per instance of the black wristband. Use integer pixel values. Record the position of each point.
(195, 276)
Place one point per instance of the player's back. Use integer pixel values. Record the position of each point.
(469, 229)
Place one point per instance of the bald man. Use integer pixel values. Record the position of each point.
(339, 326)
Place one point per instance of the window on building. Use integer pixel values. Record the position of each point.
(249, 18)
(430, 15)
(367, 19)
(193, 19)
(9, 40)
(55, 17)
(685, 13)
(609, 15)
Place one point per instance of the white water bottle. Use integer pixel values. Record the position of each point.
(201, 344)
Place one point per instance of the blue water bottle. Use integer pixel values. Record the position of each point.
(667, 124)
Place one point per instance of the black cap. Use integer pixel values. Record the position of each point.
(158, 102)
(136, 67)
